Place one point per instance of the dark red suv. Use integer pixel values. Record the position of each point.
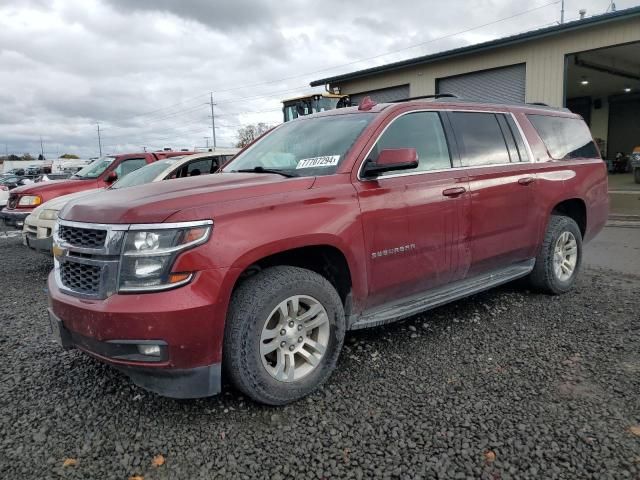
(337, 221)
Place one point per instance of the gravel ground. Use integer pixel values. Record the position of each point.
(507, 384)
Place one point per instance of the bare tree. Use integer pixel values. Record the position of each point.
(248, 134)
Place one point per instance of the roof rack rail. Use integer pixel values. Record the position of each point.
(436, 96)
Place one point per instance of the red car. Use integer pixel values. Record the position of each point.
(100, 173)
(337, 221)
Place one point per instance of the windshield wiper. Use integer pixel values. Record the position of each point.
(259, 169)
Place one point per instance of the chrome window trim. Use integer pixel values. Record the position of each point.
(424, 172)
(165, 226)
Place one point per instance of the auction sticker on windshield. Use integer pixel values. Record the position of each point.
(326, 161)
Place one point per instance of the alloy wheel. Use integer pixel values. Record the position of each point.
(294, 338)
(565, 256)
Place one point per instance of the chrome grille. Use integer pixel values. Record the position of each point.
(81, 277)
(82, 237)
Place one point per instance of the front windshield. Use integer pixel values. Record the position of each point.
(146, 174)
(304, 148)
(95, 169)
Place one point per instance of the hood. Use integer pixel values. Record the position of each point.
(59, 202)
(155, 202)
(54, 188)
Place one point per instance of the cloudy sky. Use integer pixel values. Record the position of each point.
(144, 68)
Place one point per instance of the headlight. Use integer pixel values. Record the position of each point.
(30, 201)
(48, 215)
(148, 256)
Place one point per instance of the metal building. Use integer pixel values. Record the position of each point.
(591, 66)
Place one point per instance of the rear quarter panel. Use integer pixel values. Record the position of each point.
(560, 180)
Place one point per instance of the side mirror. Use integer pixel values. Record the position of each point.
(391, 159)
(112, 177)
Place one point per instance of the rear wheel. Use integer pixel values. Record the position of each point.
(558, 262)
(284, 333)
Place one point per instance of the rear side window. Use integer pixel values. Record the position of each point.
(565, 138)
(480, 139)
(422, 131)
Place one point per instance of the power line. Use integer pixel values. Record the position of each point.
(268, 82)
(392, 51)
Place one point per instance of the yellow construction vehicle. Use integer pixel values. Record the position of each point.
(316, 102)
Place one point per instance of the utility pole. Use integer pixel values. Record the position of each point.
(99, 139)
(207, 139)
(41, 147)
(562, 12)
(213, 123)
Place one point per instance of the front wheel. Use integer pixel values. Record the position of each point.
(284, 333)
(560, 256)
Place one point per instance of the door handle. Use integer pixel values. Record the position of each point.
(454, 192)
(526, 180)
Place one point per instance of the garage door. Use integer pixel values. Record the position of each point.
(503, 85)
(383, 95)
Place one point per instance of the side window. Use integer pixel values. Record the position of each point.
(479, 139)
(565, 138)
(422, 131)
(199, 167)
(514, 155)
(128, 166)
(522, 149)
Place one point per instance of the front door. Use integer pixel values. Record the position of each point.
(415, 221)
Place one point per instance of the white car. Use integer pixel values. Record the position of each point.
(38, 226)
(4, 195)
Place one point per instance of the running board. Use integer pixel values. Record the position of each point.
(408, 306)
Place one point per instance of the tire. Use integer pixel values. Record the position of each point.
(636, 174)
(544, 276)
(257, 304)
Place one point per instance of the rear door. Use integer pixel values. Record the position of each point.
(502, 183)
(415, 221)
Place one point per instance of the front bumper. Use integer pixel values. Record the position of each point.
(196, 382)
(41, 244)
(187, 322)
(36, 237)
(13, 218)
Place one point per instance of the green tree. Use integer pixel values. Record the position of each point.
(69, 156)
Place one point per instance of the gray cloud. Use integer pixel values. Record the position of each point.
(224, 16)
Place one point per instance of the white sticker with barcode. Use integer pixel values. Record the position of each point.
(319, 162)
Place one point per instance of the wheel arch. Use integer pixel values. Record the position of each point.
(574, 208)
(322, 256)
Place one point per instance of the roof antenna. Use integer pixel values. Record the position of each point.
(582, 13)
(366, 104)
(612, 7)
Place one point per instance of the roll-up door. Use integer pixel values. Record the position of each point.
(383, 95)
(502, 85)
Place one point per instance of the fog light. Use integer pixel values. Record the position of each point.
(149, 350)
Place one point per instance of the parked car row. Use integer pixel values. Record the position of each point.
(38, 225)
(9, 181)
(341, 220)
